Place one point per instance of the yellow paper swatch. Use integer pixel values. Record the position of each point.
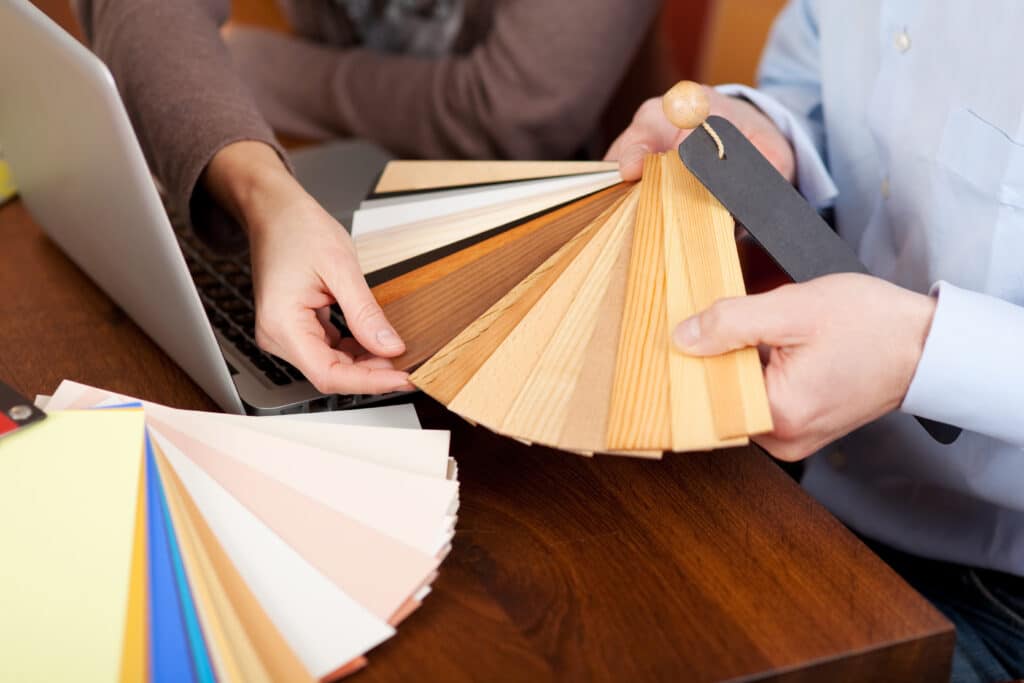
(68, 494)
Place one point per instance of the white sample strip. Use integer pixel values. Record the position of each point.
(405, 506)
(324, 627)
(382, 248)
(402, 416)
(423, 452)
(432, 205)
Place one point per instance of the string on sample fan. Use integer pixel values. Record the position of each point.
(714, 136)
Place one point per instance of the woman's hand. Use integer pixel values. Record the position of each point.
(302, 262)
(652, 132)
(843, 351)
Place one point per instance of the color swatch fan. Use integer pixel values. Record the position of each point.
(146, 543)
(542, 308)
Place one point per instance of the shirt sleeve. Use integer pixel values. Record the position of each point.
(971, 373)
(182, 95)
(789, 93)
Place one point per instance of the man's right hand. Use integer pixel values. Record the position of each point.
(652, 132)
(302, 262)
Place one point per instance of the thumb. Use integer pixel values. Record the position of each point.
(737, 323)
(363, 315)
(631, 163)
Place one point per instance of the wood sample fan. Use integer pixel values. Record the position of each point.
(538, 299)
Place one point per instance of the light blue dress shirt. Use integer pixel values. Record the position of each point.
(908, 117)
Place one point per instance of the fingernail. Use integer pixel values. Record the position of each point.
(387, 337)
(687, 333)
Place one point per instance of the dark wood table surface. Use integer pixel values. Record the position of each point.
(704, 567)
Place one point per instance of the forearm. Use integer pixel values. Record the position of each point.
(176, 80)
(534, 89)
(244, 177)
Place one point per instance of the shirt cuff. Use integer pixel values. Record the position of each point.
(971, 372)
(812, 177)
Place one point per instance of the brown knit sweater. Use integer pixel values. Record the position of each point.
(523, 79)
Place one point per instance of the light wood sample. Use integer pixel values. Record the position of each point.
(639, 414)
(444, 375)
(541, 409)
(511, 363)
(410, 176)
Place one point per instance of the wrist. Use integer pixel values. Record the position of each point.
(921, 312)
(248, 179)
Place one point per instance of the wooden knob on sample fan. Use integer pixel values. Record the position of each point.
(686, 104)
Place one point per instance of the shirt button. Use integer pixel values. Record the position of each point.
(885, 188)
(902, 41)
(837, 459)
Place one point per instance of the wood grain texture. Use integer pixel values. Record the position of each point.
(541, 409)
(585, 430)
(444, 375)
(639, 418)
(706, 567)
(491, 392)
(697, 220)
(411, 176)
(432, 316)
(696, 393)
(706, 231)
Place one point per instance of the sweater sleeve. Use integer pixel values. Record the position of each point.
(533, 87)
(182, 95)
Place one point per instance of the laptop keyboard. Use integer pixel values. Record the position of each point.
(225, 288)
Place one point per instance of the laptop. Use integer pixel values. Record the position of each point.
(82, 175)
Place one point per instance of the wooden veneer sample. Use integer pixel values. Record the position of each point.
(639, 414)
(489, 395)
(694, 383)
(585, 429)
(448, 371)
(431, 316)
(540, 411)
(410, 176)
(703, 234)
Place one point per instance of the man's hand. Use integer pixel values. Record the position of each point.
(652, 132)
(843, 351)
(302, 262)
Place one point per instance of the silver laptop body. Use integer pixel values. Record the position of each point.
(83, 177)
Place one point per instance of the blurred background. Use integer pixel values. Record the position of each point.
(712, 41)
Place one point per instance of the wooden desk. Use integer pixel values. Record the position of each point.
(697, 568)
